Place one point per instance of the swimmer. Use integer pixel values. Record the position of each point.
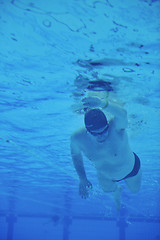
(106, 144)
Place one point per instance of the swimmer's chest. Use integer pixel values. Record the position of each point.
(107, 151)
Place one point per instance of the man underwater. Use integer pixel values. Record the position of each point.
(106, 145)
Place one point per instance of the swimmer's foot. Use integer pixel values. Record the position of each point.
(117, 197)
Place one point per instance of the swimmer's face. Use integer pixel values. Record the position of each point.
(100, 134)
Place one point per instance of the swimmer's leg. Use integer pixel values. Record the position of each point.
(117, 197)
(110, 186)
(134, 183)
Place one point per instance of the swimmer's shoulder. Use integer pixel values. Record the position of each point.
(79, 134)
(113, 127)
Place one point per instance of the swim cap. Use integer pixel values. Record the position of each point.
(95, 119)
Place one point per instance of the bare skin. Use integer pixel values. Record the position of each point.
(110, 153)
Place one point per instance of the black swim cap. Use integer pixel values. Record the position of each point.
(95, 119)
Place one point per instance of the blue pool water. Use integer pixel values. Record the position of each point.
(54, 54)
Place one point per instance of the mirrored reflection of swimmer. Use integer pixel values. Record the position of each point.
(106, 145)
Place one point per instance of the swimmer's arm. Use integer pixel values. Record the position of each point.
(120, 114)
(79, 166)
(77, 159)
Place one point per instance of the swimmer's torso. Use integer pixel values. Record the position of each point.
(112, 158)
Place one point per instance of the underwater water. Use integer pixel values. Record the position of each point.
(54, 54)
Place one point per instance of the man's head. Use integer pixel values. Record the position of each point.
(96, 122)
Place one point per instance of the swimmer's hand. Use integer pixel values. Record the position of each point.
(92, 102)
(84, 187)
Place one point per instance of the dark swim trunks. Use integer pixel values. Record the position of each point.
(135, 170)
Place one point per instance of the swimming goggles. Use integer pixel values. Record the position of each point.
(99, 131)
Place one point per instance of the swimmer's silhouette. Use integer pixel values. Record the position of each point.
(106, 145)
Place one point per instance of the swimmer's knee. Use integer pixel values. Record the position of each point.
(109, 189)
(135, 190)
